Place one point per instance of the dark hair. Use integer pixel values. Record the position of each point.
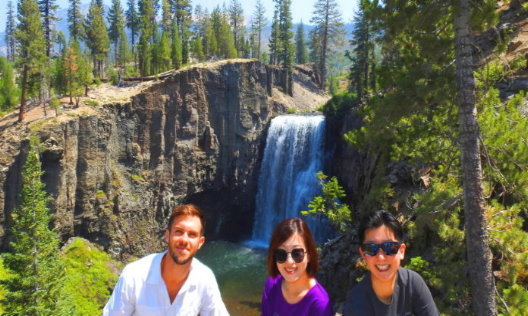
(285, 230)
(380, 218)
(186, 209)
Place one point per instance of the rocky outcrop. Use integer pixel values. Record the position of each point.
(115, 172)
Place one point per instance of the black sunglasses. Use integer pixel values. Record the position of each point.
(390, 248)
(297, 255)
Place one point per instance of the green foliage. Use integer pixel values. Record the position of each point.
(88, 279)
(55, 104)
(37, 274)
(9, 92)
(329, 203)
(4, 274)
(339, 104)
(97, 38)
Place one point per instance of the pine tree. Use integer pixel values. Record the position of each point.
(301, 53)
(47, 9)
(10, 30)
(116, 26)
(329, 28)
(274, 38)
(479, 254)
(363, 51)
(223, 34)
(163, 53)
(75, 20)
(236, 20)
(123, 49)
(33, 287)
(183, 12)
(32, 50)
(8, 89)
(97, 37)
(210, 44)
(258, 25)
(176, 53)
(132, 22)
(166, 15)
(147, 31)
(285, 48)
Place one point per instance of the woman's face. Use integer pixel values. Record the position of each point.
(383, 268)
(290, 270)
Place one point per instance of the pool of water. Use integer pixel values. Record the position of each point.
(240, 272)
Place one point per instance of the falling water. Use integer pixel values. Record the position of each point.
(287, 180)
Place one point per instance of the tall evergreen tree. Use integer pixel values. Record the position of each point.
(132, 22)
(236, 20)
(162, 54)
(258, 25)
(77, 72)
(75, 20)
(176, 51)
(223, 34)
(275, 37)
(147, 31)
(329, 28)
(363, 52)
(477, 242)
(166, 15)
(47, 9)
(10, 30)
(97, 37)
(32, 50)
(301, 52)
(183, 13)
(33, 287)
(116, 23)
(285, 47)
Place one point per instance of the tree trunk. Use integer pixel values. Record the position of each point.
(23, 94)
(478, 252)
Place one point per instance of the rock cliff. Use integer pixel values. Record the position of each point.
(115, 171)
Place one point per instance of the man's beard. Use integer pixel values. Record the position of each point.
(178, 261)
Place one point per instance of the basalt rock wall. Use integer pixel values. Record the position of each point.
(115, 172)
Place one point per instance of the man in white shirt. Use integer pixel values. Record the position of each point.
(172, 282)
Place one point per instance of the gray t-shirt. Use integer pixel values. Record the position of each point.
(411, 296)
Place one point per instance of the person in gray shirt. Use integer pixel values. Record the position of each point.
(387, 289)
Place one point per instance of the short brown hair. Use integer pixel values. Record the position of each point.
(285, 230)
(186, 209)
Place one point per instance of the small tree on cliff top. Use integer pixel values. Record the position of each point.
(33, 287)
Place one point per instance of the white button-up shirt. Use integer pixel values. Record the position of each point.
(141, 291)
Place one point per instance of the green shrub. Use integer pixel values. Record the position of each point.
(89, 278)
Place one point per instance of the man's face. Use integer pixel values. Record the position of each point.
(383, 268)
(184, 238)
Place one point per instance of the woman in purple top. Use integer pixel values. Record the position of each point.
(291, 289)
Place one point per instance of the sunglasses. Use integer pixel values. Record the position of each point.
(297, 255)
(390, 248)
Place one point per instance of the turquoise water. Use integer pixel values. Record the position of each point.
(240, 272)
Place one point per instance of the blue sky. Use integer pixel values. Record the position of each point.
(301, 9)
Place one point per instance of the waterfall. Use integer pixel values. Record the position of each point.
(287, 181)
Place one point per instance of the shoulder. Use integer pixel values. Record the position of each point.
(140, 267)
(410, 278)
(320, 292)
(202, 274)
(320, 301)
(272, 283)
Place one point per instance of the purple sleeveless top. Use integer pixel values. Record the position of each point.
(315, 303)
